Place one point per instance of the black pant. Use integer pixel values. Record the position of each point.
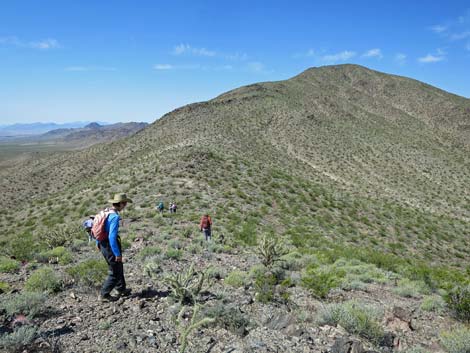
(116, 271)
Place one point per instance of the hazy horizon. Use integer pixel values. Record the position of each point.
(116, 62)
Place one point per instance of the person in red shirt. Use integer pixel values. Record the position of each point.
(205, 225)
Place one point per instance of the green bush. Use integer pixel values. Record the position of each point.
(8, 265)
(433, 303)
(4, 287)
(26, 303)
(236, 279)
(61, 235)
(411, 289)
(230, 318)
(23, 247)
(59, 254)
(173, 254)
(322, 279)
(458, 300)
(19, 339)
(149, 251)
(457, 341)
(89, 273)
(43, 280)
(264, 286)
(357, 318)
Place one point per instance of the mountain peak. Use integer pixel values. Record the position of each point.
(93, 125)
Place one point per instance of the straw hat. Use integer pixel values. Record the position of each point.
(120, 198)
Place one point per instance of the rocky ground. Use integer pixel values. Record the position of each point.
(147, 320)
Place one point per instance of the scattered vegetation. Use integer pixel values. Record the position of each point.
(26, 303)
(90, 272)
(43, 280)
(456, 341)
(458, 300)
(19, 339)
(8, 265)
(357, 318)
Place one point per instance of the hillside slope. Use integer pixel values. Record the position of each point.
(342, 151)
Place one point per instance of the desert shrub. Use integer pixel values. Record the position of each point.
(59, 254)
(43, 280)
(320, 280)
(194, 248)
(19, 339)
(4, 287)
(433, 303)
(357, 318)
(411, 289)
(23, 247)
(90, 272)
(126, 244)
(264, 286)
(61, 235)
(416, 349)
(149, 251)
(456, 341)
(215, 273)
(26, 303)
(230, 318)
(458, 300)
(173, 254)
(215, 248)
(236, 279)
(8, 265)
(186, 285)
(152, 267)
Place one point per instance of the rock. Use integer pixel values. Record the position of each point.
(279, 321)
(121, 345)
(387, 340)
(401, 313)
(347, 345)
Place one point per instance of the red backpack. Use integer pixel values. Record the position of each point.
(98, 230)
(206, 222)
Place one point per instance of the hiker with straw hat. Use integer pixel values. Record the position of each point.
(112, 251)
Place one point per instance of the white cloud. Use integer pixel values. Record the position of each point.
(400, 58)
(163, 67)
(343, 56)
(236, 56)
(256, 66)
(373, 53)
(89, 68)
(460, 36)
(438, 29)
(431, 58)
(45, 44)
(187, 49)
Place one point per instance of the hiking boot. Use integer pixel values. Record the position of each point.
(107, 298)
(124, 293)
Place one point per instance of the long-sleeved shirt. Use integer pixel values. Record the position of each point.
(112, 228)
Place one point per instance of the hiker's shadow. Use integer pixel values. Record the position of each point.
(58, 332)
(152, 293)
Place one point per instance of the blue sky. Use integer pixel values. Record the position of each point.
(135, 60)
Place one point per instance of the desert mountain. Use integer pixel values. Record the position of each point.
(340, 203)
(383, 145)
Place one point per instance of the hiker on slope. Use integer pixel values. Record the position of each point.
(87, 225)
(205, 225)
(161, 207)
(112, 251)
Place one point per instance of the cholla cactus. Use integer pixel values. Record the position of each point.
(152, 269)
(185, 330)
(270, 250)
(186, 285)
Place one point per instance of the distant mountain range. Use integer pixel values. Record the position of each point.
(39, 128)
